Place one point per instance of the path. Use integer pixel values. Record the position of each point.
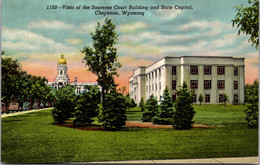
(23, 112)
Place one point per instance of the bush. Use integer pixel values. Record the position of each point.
(184, 112)
(165, 113)
(252, 105)
(87, 106)
(113, 111)
(65, 104)
(201, 98)
(151, 108)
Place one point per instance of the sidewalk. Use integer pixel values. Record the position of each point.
(235, 160)
(22, 112)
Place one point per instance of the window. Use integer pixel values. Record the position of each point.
(207, 69)
(159, 72)
(207, 84)
(221, 84)
(221, 70)
(193, 69)
(220, 98)
(173, 70)
(156, 74)
(235, 85)
(235, 71)
(156, 87)
(153, 87)
(174, 97)
(152, 75)
(235, 98)
(207, 98)
(173, 84)
(194, 98)
(193, 84)
(149, 88)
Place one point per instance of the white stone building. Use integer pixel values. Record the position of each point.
(211, 76)
(62, 78)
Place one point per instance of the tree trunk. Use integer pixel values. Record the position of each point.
(30, 103)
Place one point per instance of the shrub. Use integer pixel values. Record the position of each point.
(87, 106)
(141, 103)
(165, 113)
(65, 104)
(113, 111)
(252, 105)
(184, 112)
(201, 98)
(151, 108)
(225, 98)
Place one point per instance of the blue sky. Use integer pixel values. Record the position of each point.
(38, 36)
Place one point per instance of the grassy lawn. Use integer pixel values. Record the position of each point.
(31, 138)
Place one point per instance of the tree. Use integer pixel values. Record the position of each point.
(87, 106)
(165, 113)
(151, 109)
(225, 98)
(102, 58)
(247, 19)
(252, 104)
(184, 112)
(201, 98)
(65, 105)
(141, 103)
(113, 111)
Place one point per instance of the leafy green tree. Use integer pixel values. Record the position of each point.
(184, 112)
(165, 113)
(201, 98)
(65, 104)
(87, 106)
(101, 58)
(247, 19)
(151, 109)
(225, 98)
(252, 105)
(113, 111)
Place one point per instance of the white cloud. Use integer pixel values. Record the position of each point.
(74, 41)
(31, 41)
(88, 27)
(133, 27)
(49, 24)
(167, 14)
(213, 27)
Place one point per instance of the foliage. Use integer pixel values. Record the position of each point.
(151, 108)
(141, 103)
(113, 111)
(102, 58)
(184, 112)
(87, 106)
(225, 98)
(247, 19)
(166, 110)
(65, 104)
(201, 98)
(26, 106)
(252, 105)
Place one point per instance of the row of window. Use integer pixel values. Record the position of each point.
(207, 70)
(207, 98)
(153, 74)
(207, 84)
(153, 87)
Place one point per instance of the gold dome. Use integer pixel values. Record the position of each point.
(62, 60)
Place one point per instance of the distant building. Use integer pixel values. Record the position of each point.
(211, 76)
(62, 78)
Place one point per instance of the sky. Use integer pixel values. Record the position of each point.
(37, 36)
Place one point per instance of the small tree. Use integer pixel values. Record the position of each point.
(87, 106)
(201, 98)
(165, 113)
(184, 112)
(225, 98)
(65, 104)
(113, 111)
(141, 103)
(252, 105)
(151, 109)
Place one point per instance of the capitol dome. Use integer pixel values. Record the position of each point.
(62, 60)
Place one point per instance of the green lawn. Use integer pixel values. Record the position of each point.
(31, 138)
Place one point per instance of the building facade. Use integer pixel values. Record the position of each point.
(211, 76)
(62, 78)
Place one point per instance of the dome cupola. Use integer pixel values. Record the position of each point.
(62, 60)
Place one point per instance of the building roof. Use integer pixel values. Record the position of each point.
(62, 60)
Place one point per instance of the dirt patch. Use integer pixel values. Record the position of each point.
(140, 124)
